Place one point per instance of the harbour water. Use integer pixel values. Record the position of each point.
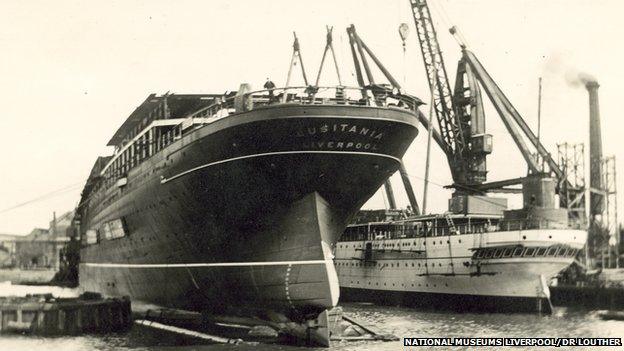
(400, 321)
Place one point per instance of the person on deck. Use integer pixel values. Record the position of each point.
(270, 86)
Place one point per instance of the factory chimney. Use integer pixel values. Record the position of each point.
(595, 151)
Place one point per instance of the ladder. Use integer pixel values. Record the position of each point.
(452, 230)
(451, 224)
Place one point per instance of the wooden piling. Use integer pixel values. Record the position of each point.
(46, 316)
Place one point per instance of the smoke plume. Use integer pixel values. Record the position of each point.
(576, 78)
(556, 65)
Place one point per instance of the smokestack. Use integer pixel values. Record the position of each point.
(595, 150)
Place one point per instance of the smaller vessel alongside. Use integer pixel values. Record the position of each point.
(478, 257)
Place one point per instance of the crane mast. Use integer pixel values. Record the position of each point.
(459, 113)
(436, 74)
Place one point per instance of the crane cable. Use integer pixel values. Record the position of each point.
(442, 14)
(455, 32)
(46, 196)
(442, 186)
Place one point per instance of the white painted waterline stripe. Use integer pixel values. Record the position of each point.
(192, 265)
(361, 153)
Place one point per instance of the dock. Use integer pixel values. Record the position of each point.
(49, 316)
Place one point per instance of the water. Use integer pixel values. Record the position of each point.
(400, 321)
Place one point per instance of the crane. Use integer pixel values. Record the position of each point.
(459, 114)
(461, 119)
(358, 52)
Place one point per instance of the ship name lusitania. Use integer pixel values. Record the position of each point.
(348, 133)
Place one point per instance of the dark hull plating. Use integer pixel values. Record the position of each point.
(243, 213)
(448, 302)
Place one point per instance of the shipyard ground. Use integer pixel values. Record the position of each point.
(400, 321)
(237, 330)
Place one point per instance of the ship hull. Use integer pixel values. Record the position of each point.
(462, 303)
(241, 215)
(286, 268)
(443, 272)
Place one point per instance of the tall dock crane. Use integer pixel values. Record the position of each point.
(461, 120)
(460, 117)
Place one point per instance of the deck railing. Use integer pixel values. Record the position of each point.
(310, 95)
(160, 133)
(432, 229)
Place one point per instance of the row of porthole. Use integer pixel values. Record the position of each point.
(351, 264)
(385, 284)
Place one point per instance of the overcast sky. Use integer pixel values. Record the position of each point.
(72, 71)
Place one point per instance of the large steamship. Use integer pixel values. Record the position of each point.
(232, 204)
(476, 257)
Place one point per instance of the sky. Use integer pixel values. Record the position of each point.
(72, 71)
